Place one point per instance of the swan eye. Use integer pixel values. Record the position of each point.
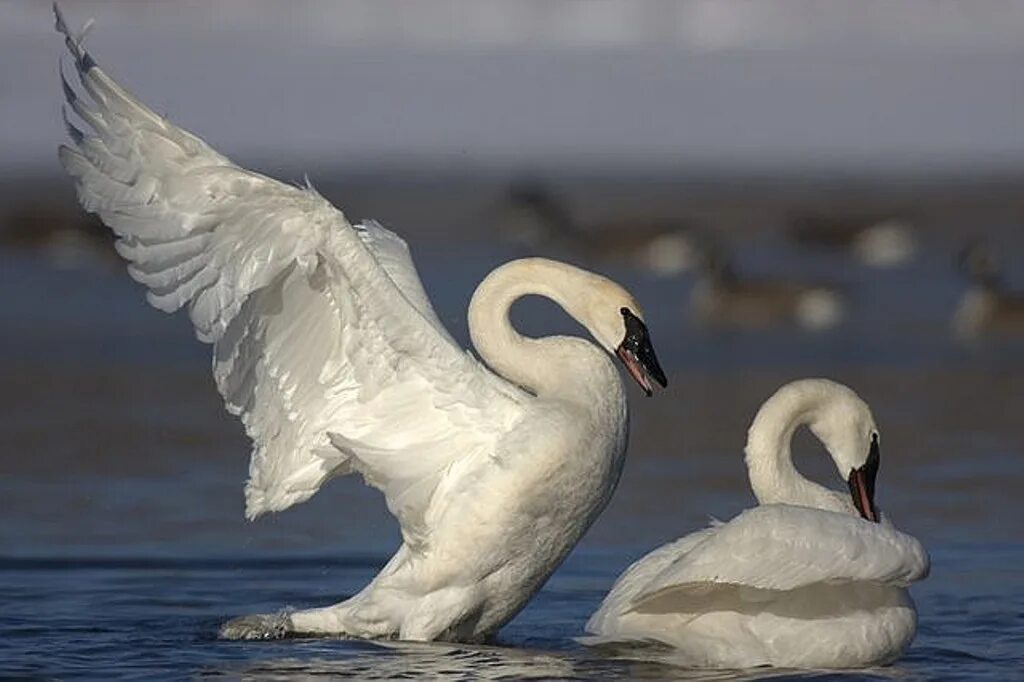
(624, 311)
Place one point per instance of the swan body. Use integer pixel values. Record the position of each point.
(804, 580)
(328, 349)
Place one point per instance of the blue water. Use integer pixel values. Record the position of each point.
(123, 547)
(150, 617)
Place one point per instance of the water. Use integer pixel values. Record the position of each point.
(150, 617)
(124, 547)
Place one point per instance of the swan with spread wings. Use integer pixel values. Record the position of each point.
(329, 351)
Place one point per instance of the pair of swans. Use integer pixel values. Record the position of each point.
(327, 348)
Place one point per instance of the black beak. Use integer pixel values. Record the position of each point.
(637, 354)
(862, 484)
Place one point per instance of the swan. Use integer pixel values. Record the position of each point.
(328, 349)
(810, 578)
(536, 217)
(988, 307)
(721, 298)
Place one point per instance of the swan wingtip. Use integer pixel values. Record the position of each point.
(83, 59)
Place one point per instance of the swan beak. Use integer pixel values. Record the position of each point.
(637, 354)
(862, 485)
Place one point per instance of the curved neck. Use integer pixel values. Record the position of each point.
(557, 365)
(773, 477)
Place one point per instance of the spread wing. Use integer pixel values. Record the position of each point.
(780, 548)
(324, 342)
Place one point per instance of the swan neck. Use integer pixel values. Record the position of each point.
(544, 366)
(773, 477)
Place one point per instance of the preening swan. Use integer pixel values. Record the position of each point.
(811, 578)
(327, 347)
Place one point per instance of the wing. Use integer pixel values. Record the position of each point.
(325, 344)
(781, 547)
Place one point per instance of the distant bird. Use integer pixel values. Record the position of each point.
(328, 349)
(723, 299)
(811, 578)
(66, 240)
(535, 217)
(987, 307)
(883, 243)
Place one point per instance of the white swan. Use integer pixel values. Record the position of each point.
(804, 580)
(327, 348)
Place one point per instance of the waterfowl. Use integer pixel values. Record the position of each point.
(537, 218)
(810, 578)
(987, 307)
(722, 298)
(327, 348)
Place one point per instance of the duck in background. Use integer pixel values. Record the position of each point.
(987, 307)
(535, 217)
(65, 239)
(884, 243)
(810, 578)
(723, 299)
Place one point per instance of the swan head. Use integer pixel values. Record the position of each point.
(617, 323)
(604, 308)
(637, 354)
(844, 424)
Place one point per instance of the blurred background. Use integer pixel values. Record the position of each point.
(791, 188)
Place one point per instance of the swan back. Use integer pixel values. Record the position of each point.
(779, 548)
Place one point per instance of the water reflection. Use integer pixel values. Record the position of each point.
(405, 660)
(439, 661)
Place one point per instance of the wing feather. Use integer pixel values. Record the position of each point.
(324, 341)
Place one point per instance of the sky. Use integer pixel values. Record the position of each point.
(921, 87)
